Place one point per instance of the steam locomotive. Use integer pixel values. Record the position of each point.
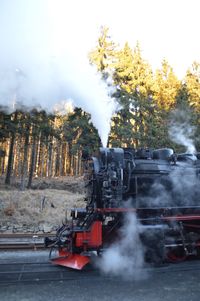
(159, 187)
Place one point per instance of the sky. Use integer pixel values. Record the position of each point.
(165, 28)
(44, 47)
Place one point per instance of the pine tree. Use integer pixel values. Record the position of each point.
(192, 80)
(132, 73)
(103, 56)
(166, 87)
(133, 77)
(80, 135)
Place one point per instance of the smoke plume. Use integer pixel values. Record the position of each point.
(44, 61)
(125, 257)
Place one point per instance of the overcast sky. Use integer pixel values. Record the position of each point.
(44, 46)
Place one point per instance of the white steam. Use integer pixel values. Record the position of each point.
(125, 257)
(181, 131)
(180, 188)
(42, 61)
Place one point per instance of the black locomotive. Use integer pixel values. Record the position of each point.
(159, 187)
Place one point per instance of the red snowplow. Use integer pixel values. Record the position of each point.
(81, 241)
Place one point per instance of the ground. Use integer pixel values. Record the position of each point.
(41, 209)
(178, 282)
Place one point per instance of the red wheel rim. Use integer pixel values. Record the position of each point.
(176, 255)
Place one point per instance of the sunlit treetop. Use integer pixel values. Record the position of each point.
(166, 86)
(192, 80)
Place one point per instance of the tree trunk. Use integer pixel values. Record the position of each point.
(2, 161)
(42, 159)
(32, 165)
(69, 158)
(54, 153)
(10, 156)
(10, 160)
(57, 163)
(49, 161)
(17, 163)
(38, 156)
(25, 162)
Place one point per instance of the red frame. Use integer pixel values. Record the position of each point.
(91, 238)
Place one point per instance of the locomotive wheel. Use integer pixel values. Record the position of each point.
(176, 255)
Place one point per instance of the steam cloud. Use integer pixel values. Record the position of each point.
(125, 258)
(181, 131)
(182, 186)
(41, 62)
(180, 189)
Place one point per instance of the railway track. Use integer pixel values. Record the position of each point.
(18, 269)
(40, 272)
(35, 272)
(21, 241)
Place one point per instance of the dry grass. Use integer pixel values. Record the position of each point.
(73, 184)
(9, 211)
(40, 206)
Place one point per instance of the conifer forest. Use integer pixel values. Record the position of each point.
(36, 143)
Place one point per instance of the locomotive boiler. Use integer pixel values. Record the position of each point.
(159, 187)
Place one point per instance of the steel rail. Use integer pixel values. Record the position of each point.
(46, 272)
(20, 241)
(39, 272)
(25, 235)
